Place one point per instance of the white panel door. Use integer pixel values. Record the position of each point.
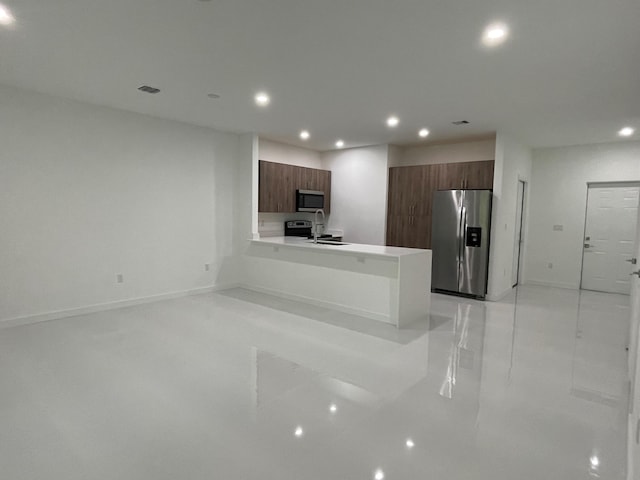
(612, 214)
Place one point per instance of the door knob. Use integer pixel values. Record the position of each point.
(636, 273)
(632, 261)
(586, 245)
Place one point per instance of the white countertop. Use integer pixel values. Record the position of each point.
(350, 248)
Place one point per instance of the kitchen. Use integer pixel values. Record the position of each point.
(360, 183)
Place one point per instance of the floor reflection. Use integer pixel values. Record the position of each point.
(246, 386)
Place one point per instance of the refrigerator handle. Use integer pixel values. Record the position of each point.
(463, 233)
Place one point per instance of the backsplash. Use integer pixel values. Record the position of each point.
(272, 224)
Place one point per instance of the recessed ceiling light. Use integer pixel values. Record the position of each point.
(298, 432)
(340, 144)
(626, 132)
(6, 17)
(424, 133)
(304, 135)
(215, 96)
(262, 99)
(409, 443)
(393, 121)
(333, 408)
(495, 34)
(378, 474)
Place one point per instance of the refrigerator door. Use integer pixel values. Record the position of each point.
(474, 261)
(446, 236)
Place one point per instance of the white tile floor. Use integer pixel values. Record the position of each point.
(240, 386)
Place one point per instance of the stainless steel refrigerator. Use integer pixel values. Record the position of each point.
(460, 241)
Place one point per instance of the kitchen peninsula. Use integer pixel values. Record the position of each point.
(389, 284)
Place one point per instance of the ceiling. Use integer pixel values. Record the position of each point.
(569, 73)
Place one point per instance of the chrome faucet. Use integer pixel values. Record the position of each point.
(315, 221)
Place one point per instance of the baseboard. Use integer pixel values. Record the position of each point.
(321, 303)
(100, 307)
(541, 283)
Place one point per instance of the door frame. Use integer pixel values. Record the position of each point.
(615, 184)
(520, 228)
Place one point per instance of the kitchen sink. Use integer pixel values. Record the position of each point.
(328, 242)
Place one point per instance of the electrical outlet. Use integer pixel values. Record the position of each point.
(120, 278)
(207, 267)
(549, 265)
(558, 228)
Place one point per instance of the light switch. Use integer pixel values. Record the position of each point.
(558, 228)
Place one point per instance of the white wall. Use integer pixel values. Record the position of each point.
(283, 153)
(246, 191)
(89, 192)
(512, 164)
(471, 151)
(359, 192)
(272, 224)
(394, 155)
(559, 197)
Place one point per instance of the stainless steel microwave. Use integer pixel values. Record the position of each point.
(309, 200)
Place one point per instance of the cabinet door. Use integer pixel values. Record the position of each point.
(400, 231)
(450, 176)
(276, 189)
(479, 175)
(307, 178)
(324, 185)
(405, 184)
(267, 201)
(428, 179)
(394, 200)
(394, 227)
(287, 190)
(422, 226)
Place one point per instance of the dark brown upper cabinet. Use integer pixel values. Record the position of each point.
(410, 197)
(278, 184)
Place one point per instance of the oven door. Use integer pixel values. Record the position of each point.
(309, 200)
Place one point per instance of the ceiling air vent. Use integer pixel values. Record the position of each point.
(461, 122)
(148, 89)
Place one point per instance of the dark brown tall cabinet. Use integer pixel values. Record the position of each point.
(410, 197)
(279, 182)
